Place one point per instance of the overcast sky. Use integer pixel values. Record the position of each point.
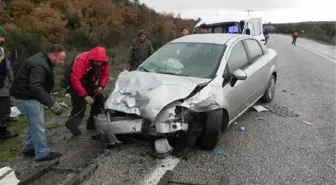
(270, 10)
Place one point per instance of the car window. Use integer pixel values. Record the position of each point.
(186, 59)
(254, 49)
(237, 60)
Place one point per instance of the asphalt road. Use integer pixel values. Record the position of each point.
(277, 150)
(272, 149)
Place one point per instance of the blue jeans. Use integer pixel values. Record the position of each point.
(35, 139)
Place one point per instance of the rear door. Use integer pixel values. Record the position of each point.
(257, 70)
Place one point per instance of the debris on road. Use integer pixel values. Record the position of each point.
(307, 122)
(259, 108)
(64, 104)
(219, 151)
(7, 176)
(15, 112)
(162, 146)
(242, 128)
(235, 123)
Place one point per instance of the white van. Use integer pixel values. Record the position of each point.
(239, 25)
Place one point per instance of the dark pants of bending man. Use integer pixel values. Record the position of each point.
(78, 111)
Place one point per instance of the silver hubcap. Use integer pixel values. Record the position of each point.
(271, 89)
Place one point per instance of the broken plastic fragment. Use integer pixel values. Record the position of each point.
(162, 146)
(259, 108)
(307, 122)
(219, 151)
(8, 176)
(242, 129)
(15, 112)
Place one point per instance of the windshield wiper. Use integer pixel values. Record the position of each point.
(170, 73)
(146, 70)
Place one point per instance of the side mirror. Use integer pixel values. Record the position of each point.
(248, 31)
(239, 74)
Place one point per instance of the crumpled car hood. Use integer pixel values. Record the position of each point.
(146, 94)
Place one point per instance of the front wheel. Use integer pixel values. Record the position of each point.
(212, 129)
(270, 91)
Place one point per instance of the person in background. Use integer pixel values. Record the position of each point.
(31, 90)
(266, 35)
(6, 79)
(88, 77)
(204, 28)
(141, 48)
(184, 31)
(295, 35)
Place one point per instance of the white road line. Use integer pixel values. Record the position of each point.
(166, 164)
(317, 53)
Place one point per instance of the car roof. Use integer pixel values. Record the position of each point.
(212, 38)
(221, 19)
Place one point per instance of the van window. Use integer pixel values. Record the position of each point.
(251, 27)
(257, 29)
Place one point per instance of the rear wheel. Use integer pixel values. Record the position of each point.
(270, 91)
(212, 129)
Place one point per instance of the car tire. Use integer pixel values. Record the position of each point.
(270, 91)
(212, 129)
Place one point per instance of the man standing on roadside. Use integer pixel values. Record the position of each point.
(295, 35)
(30, 91)
(89, 75)
(6, 79)
(140, 50)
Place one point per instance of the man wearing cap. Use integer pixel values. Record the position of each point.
(141, 48)
(6, 79)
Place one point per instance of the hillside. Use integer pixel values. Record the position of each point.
(322, 31)
(82, 24)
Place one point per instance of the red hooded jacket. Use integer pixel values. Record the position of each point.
(82, 64)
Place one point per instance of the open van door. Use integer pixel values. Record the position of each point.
(255, 28)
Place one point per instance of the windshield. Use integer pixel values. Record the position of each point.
(185, 59)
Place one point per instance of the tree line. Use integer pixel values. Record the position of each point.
(82, 24)
(321, 30)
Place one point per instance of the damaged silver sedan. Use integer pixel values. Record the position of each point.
(197, 81)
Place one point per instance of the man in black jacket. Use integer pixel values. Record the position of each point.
(31, 90)
(6, 79)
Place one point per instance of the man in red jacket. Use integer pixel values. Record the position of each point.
(89, 76)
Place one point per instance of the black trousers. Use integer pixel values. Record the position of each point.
(294, 41)
(78, 109)
(5, 110)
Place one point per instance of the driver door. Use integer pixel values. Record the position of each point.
(236, 92)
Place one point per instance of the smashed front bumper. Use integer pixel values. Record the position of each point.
(129, 125)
